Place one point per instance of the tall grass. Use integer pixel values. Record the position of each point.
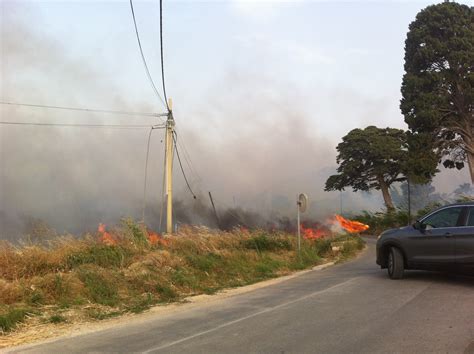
(134, 273)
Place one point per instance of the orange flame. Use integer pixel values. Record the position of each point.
(351, 226)
(155, 238)
(244, 230)
(313, 234)
(317, 231)
(106, 237)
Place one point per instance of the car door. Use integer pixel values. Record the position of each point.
(464, 241)
(433, 246)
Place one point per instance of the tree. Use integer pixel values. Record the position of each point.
(438, 87)
(421, 195)
(370, 158)
(464, 190)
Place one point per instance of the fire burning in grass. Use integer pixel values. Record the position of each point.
(351, 226)
(314, 233)
(155, 238)
(109, 239)
(317, 231)
(310, 231)
(106, 237)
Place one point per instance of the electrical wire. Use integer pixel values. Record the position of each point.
(161, 52)
(144, 60)
(146, 174)
(79, 125)
(85, 109)
(181, 165)
(187, 158)
(188, 161)
(163, 190)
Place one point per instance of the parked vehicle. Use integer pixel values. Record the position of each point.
(441, 240)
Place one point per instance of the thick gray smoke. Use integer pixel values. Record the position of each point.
(249, 143)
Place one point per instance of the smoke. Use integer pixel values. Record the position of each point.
(250, 140)
(71, 178)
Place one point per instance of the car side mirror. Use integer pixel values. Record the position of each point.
(418, 225)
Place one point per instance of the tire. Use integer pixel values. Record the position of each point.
(395, 263)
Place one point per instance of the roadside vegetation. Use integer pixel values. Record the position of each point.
(72, 279)
(383, 220)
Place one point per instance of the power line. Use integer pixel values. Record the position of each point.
(146, 173)
(181, 165)
(187, 158)
(143, 58)
(85, 109)
(161, 52)
(79, 125)
(188, 161)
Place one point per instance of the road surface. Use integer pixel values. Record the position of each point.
(348, 308)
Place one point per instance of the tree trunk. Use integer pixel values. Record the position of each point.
(470, 164)
(386, 195)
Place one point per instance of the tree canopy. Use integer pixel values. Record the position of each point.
(438, 88)
(421, 196)
(370, 158)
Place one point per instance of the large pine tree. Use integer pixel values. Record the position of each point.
(438, 87)
(370, 158)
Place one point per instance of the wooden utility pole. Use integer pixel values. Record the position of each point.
(169, 152)
(215, 211)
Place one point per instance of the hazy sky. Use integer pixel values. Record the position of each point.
(263, 90)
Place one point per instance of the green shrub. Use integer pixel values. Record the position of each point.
(97, 314)
(167, 294)
(36, 298)
(11, 318)
(100, 255)
(351, 246)
(138, 233)
(266, 267)
(381, 221)
(322, 246)
(101, 290)
(205, 262)
(141, 303)
(264, 242)
(184, 278)
(57, 319)
(311, 253)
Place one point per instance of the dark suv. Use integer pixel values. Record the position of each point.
(441, 240)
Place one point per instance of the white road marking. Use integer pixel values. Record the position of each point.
(270, 309)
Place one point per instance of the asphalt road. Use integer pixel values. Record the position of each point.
(347, 308)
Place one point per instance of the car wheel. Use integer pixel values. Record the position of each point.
(395, 264)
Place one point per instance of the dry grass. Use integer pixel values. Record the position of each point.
(96, 280)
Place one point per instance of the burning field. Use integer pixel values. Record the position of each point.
(335, 225)
(130, 268)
